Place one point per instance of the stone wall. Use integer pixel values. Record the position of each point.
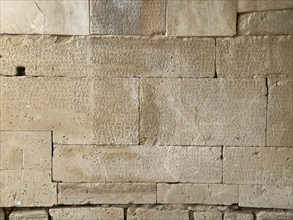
(146, 109)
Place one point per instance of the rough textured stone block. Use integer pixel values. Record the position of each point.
(127, 17)
(258, 165)
(203, 112)
(108, 56)
(280, 112)
(2, 214)
(201, 18)
(197, 193)
(137, 164)
(266, 196)
(106, 193)
(79, 111)
(141, 213)
(264, 215)
(238, 216)
(266, 23)
(45, 17)
(260, 5)
(255, 56)
(28, 215)
(208, 216)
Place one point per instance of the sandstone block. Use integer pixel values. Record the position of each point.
(82, 163)
(127, 17)
(266, 23)
(260, 5)
(106, 193)
(28, 215)
(45, 17)
(208, 216)
(201, 18)
(2, 214)
(203, 112)
(141, 213)
(258, 165)
(238, 216)
(280, 112)
(266, 215)
(87, 213)
(218, 194)
(253, 56)
(280, 197)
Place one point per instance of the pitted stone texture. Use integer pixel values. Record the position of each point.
(266, 23)
(280, 197)
(258, 165)
(201, 18)
(127, 17)
(106, 193)
(280, 112)
(238, 216)
(28, 215)
(253, 56)
(208, 216)
(264, 215)
(79, 163)
(45, 17)
(203, 112)
(28, 150)
(78, 110)
(27, 188)
(197, 193)
(108, 56)
(2, 214)
(155, 214)
(261, 5)
(87, 213)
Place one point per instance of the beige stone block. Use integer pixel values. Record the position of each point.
(238, 216)
(45, 17)
(260, 5)
(78, 111)
(29, 215)
(280, 197)
(28, 150)
(2, 214)
(266, 215)
(108, 56)
(97, 213)
(258, 165)
(203, 112)
(266, 23)
(208, 216)
(197, 193)
(106, 193)
(280, 112)
(27, 188)
(80, 163)
(127, 17)
(155, 214)
(201, 18)
(253, 56)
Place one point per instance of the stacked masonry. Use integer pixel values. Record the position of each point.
(148, 109)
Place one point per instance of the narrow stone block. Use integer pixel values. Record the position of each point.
(208, 216)
(2, 214)
(155, 214)
(28, 215)
(266, 215)
(261, 5)
(238, 216)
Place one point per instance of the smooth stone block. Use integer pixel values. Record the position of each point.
(208, 216)
(155, 214)
(267, 215)
(261, 5)
(238, 216)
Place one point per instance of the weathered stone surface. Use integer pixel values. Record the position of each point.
(79, 163)
(79, 111)
(27, 188)
(280, 112)
(28, 215)
(28, 150)
(87, 213)
(201, 18)
(106, 193)
(197, 193)
(208, 216)
(2, 214)
(258, 165)
(141, 213)
(266, 23)
(108, 56)
(264, 215)
(266, 196)
(45, 17)
(238, 216)
(128, 17)
(203, 112)
(260, 5)
(255, 56)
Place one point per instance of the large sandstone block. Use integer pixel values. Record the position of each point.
(108, 56)
(260, 5)
(77, 110)
(266, 215)
(266, 23)
(45, 17)
(201, 18)
(255, 56)
(203, 112)
(197, 193)
(208, 216)
(106, 193)
(238, 216)
(28, 215)
(127, 17)
(79, 163)
(280, 112)
(258, 165)
(155, 214)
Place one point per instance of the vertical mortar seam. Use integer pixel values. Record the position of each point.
(222, 159)
(267, 105)
(215, 60)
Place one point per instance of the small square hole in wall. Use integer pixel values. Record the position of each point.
(20, 71)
